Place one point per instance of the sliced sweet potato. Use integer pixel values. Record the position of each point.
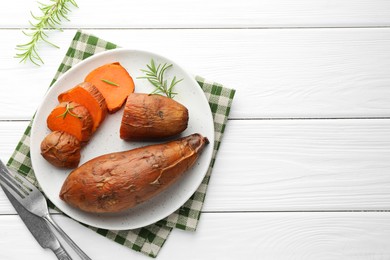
(61, 149)
(89, 96)
(72, 118)
(114, 82)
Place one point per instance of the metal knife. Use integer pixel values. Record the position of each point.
(39, 229)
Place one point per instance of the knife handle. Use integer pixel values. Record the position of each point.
(67, 239)
(62, 254)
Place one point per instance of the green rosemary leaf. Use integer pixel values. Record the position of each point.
(154, 92)
(173, 83)
(150, 68)
(68, 110)
(73, 3)
(50, 43)
(110, 82)
(51, 16)
(156, 77)
(153, 65)
(160, 75)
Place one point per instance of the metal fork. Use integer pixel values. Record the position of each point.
(34, 201)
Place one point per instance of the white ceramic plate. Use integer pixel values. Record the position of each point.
(106, 140)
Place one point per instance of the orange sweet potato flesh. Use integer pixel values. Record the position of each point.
(77, 121)
(119, 181)
(89, 96)
(152, 117)
(121, 86)
(61, 149)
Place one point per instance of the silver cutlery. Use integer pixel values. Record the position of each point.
(33, 200)
(39, 229)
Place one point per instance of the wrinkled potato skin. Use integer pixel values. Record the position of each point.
(148, 117)
(122, 180)
(61, 149)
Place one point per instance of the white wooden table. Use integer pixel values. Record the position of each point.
(304, 168)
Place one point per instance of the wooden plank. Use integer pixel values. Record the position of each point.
(284, 236)
(288, 165)
(359, 235)
(211, 14)
(279, 165)
(10, 134)
(323, 73)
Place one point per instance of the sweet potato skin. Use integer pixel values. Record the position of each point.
(118, 181)
(148, 117)
(61, 149)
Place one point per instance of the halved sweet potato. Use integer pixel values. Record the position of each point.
(89, 96)
(72, 118)
(114, 82)
(152, 117)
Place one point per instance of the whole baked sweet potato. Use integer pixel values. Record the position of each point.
(152, 117)
(122, 180)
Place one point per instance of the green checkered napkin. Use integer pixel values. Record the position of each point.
(148, 240)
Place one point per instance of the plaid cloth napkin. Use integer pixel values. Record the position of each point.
(148, 240)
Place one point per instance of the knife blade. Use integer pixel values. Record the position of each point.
(39, 229)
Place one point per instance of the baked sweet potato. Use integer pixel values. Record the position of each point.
(152, 117)
(61, 149)
(122, 180)
(90, 97)
(72, 118)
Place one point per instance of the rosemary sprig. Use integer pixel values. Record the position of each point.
(52, 15)
(68, 110)
(155, 75)
(110, 82)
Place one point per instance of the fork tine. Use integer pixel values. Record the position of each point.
(7, 185)
(13, 181)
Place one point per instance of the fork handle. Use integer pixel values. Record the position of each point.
(72, 244)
